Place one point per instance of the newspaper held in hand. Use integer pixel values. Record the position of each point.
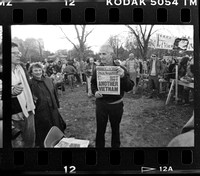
(72, 143)
(108, 81)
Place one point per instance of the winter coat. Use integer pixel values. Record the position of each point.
(46, 112)
(159, 67)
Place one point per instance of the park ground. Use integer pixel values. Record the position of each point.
(145, 122)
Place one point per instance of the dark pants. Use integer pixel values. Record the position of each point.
(113, 112)
(27, 137)
(153, 84)
(71, 81)
(137, 81)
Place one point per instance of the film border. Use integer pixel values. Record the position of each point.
(78, 155)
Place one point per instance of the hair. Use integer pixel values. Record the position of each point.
(88, 60)
(184, 60)
(37, 65)
(14, 45)
(131, 54)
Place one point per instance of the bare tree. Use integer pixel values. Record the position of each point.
(82, 36)
(115, 43)
(142, 35)
(41, 47)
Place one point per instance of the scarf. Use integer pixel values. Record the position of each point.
(25, 98)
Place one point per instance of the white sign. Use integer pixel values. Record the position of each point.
(108, 81)
(72, 143)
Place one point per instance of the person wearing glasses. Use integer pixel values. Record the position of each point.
(23, 124)
(109, 106)
(156, 69)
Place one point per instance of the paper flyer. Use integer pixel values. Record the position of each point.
(108, 81)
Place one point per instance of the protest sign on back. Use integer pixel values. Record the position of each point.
(108, 81)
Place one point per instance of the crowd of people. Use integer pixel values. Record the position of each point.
(35, 86)
(157, 69)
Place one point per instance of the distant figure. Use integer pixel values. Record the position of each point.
(155, 72)
(78, 71)
(89, 70)
(132, 66)
(69, 72)
(58, 80)
(27, 65)
(182, 70)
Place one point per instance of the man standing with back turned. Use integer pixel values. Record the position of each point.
(109, 106)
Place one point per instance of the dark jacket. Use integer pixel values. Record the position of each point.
(89, 69)
(159, 67)
(126, 84)
(46, 112)
(69, 70)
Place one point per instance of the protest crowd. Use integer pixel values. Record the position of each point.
(38, 86)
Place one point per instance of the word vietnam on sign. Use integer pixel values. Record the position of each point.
(108, 81)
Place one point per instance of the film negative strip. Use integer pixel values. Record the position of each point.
(99, 87)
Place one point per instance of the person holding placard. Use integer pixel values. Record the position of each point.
(109, 106)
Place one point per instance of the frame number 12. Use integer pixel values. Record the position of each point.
(69, 2)
(70, 169)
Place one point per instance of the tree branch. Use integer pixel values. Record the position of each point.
(143, 34)
(87, 35)
(68, 38)
(77, 32)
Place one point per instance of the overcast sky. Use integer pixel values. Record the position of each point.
(53, 37)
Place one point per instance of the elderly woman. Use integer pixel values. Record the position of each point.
(47, 104)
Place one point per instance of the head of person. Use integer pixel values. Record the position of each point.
(36, 70)
(59, 62)
(91, 60)
(131, 56)
(54, 71)
(106, 53)
(16, 54)
(184, 61)
(153, 56)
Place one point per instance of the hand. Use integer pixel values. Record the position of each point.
(98, 94)
(17, 89)
(120, 72)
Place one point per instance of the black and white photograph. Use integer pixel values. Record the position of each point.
(1, 104)
(102, 86)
